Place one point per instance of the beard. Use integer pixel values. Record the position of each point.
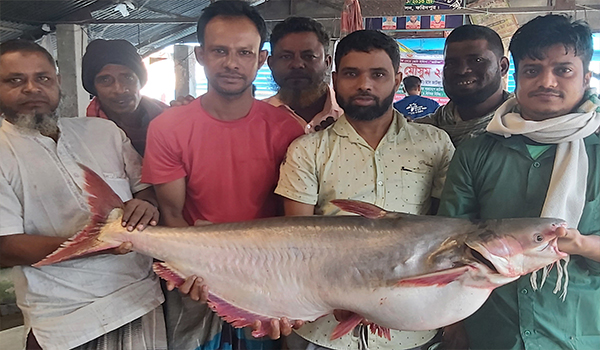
(365, 113)
(301, 98)
(480, 95)
(45, 123)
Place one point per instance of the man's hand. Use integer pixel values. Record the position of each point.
(138, 214)
(569, 240)
(192, 287)
(279, 327)
(182, 101)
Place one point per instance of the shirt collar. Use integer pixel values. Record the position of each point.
(331, 109)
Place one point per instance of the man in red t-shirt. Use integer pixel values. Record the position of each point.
(218, 158)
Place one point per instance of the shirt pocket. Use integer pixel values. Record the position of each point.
(416, 184)
(119, 182)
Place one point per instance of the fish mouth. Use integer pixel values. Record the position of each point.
(483, 260)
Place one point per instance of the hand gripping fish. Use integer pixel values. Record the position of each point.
(392, 270)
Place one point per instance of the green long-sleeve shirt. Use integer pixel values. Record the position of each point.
(491, 177)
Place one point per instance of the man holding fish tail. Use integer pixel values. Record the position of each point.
(539, 157)
(105, 300)
(217, 159)
(370, 154)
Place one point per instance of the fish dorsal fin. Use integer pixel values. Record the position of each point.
(367, 210)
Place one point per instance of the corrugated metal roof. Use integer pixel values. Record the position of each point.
(28, 11)
(25, 18)
(145, 28)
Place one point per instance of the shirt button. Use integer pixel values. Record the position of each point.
(536, 164)
(527, 333)
(380, 183)
(524, 291)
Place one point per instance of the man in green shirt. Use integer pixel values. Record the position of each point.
(540, 157)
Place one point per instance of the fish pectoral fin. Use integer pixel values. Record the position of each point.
(367, 210)
(240, 318)
(168, 273)
(380, 331)
(440, 278)
(346, 326)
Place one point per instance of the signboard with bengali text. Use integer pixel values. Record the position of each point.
(427, 67)
(421, 5)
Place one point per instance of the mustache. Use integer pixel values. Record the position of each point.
(365, 94)
(297, 75)
(230, 74)
(126, 96)
(546, 91)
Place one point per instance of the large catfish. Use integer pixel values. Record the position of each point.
(393, 270)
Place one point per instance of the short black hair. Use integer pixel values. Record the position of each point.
(535, 36)
(411, 82)
(474, 32)
(299, 25)
(231, 8)
(21, 45)
(367, 41)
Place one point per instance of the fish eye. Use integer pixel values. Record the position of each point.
(538, 237)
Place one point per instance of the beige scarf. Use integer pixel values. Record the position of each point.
(566, 194)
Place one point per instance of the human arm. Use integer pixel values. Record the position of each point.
(298, 182)
(24, 249)
(171, 199)
(295, 208)
(571, 241)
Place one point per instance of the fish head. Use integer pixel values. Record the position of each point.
(516, 247)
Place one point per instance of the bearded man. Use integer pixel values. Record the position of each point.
(103, 301)
(370, 154)
(299, 63)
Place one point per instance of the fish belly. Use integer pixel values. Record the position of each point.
(411, 308)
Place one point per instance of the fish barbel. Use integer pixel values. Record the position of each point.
(396, 271)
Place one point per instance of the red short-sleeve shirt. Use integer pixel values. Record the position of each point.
(231, 167)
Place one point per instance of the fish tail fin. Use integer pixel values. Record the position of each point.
(102, 200)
